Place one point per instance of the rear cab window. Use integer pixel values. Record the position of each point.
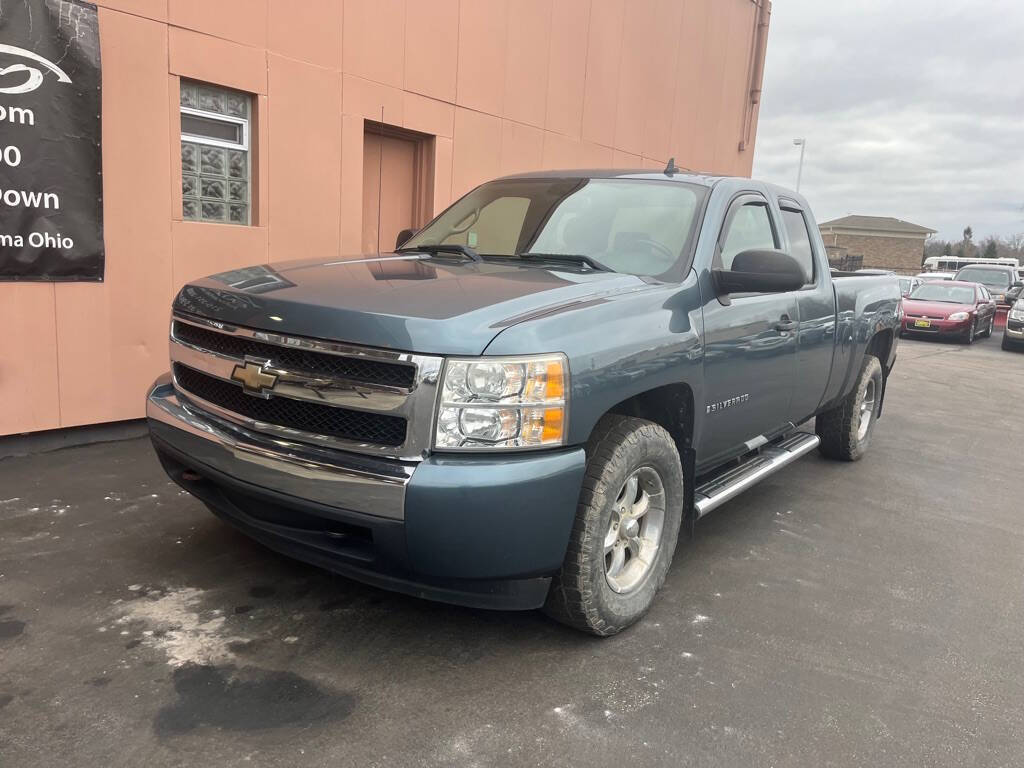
(798, 233)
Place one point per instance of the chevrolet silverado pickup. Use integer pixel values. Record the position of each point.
(521, 405)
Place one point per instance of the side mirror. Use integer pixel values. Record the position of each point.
(760, 271)
(403, 237)
(1017, 284)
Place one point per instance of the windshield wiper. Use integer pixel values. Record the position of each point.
(577, 258)
(464, 250)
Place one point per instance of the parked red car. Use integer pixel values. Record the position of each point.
(949, 308)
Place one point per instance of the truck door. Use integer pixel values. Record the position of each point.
(816, 308)
(749, 344)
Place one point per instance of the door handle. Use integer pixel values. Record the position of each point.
(785, 324)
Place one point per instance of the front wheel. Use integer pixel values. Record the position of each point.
(845, 431)
(991, 327)
(969, 338)
(626, 528)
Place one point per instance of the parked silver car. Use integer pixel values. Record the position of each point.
(1013, 336)
(907, 284)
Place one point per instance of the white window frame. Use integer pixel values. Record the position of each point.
(195, 139)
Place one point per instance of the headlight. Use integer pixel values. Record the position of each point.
(959, 316)
(491, 403)
(1017, 314)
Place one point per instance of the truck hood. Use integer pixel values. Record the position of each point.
(407, 303)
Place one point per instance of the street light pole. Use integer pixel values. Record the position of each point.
(802, 143)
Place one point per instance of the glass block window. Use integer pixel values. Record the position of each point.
(215, 167)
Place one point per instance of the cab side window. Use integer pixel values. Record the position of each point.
(750, 228)
(799, 241)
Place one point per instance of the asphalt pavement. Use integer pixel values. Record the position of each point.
(836, 615)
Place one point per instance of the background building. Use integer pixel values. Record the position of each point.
(239, 132)
(880, 242)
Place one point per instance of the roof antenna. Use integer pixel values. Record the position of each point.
(671, 168)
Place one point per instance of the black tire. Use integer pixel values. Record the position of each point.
(991, 327)
(580, 594)
(1007, 344)
(969, 338)
(839, 427)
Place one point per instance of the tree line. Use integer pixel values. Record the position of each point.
(991, 247)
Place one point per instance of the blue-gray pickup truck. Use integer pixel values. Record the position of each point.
(521, 405)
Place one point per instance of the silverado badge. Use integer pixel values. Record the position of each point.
(254, 379)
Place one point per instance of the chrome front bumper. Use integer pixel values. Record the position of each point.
(487, 532)
(362, 484)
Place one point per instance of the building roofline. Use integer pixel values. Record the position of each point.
(864, 223)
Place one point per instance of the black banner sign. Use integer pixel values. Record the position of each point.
(51, 188)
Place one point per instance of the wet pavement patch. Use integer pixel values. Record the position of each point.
(5, 699)
(11, 628)
(243, 646)
(247, 699)
(337, 603)
(260, 591)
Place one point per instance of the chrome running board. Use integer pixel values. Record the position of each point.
(770, 459)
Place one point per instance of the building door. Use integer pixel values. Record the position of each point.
(401, 201)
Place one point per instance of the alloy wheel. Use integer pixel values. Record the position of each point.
(633, 538)
(867, 410)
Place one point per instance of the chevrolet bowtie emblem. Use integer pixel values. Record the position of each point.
(254, 379)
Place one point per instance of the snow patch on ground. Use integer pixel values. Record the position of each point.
(477, 747)
(33, 537)
(175, 623)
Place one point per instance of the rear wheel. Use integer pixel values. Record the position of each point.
(626, 528)
(845, 431)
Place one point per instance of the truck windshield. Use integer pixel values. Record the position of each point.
(990, 278)
(641, 227)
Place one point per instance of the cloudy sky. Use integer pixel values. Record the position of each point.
(910, 109)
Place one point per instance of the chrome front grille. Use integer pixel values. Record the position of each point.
(358, 369)
(352, 398)
(327, 420)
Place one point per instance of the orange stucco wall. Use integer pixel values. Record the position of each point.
(504, 85)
